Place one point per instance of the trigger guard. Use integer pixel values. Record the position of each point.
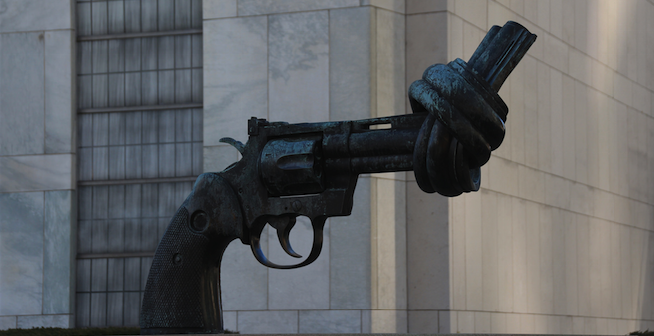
(316, 248)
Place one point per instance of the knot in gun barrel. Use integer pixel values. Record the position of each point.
(466, 116)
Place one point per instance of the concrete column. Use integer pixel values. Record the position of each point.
(37, 163)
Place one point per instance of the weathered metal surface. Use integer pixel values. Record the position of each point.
(458, 120)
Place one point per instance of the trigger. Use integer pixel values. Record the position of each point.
(284, 240)
(284, 225)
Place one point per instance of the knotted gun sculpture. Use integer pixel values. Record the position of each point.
(458, 120)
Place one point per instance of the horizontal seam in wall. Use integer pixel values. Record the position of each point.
(139, 35)
(39, 31)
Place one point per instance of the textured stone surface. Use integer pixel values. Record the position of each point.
(216, 9)
(397, 6)
(428, 256)
(269, 322)
(48, 321)
(302, 288)
(31, 15)
(236, 76)
(258, 7)
(330, 321)
(59, 88)
(21, 93)
(349, 254)
(298, 67)
(244, 281)
(58, 257)
(36, 172)
(424, 6)
(21, 253)
(7, 322)
(350, 80)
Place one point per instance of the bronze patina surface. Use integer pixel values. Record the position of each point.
(311, 169)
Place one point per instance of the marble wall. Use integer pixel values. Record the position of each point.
(560, 239)
(311, 61)
(37, 181)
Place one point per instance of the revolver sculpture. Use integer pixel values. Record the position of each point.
(457, 120)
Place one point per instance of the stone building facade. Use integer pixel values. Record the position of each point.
(560, 238)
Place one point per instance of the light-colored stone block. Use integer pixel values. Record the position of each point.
(44, 321)
(350, 61)
(558, 253)
(230, 319)
(532, 233)
(302, 288)
(489, 253)
(505, 254)
(465, 322)
(32, 15)
(425, 6)
(389, 245)
(457, 254)
(579, 65)
(37, 172)
(531, 184)
(556, 18)
(557, 191)
(482, 322)
(389, 321)
(349, 254)
(21, 89)
(498, 15)
(555, 52)
(398, 6)
(568, 128)
(498, 322)
(58, 256)
(544, 118)
(390, 64)
(546, 302)
(423, 321)
(454, 37)
(330, 321)
(471, 38)
(217, 158)
(571, 260)
(531, 111)
(426, 42)
(602, 78)
(502, 175)
(268, 322)
(580, 132)
(527, 323)
(446, 319)
(218, 9)
(475, 12)
(512, 324)
(428, 276)
(235, 53)
(473, 245)
(21, 253)
(59, 88)
(623, 89)
(298, 67)
(243, 279)
(519, 264)
(260, 7)
(7, 322)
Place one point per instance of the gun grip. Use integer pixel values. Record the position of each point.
(182, 294)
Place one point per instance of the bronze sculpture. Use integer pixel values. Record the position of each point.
(457, 120)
